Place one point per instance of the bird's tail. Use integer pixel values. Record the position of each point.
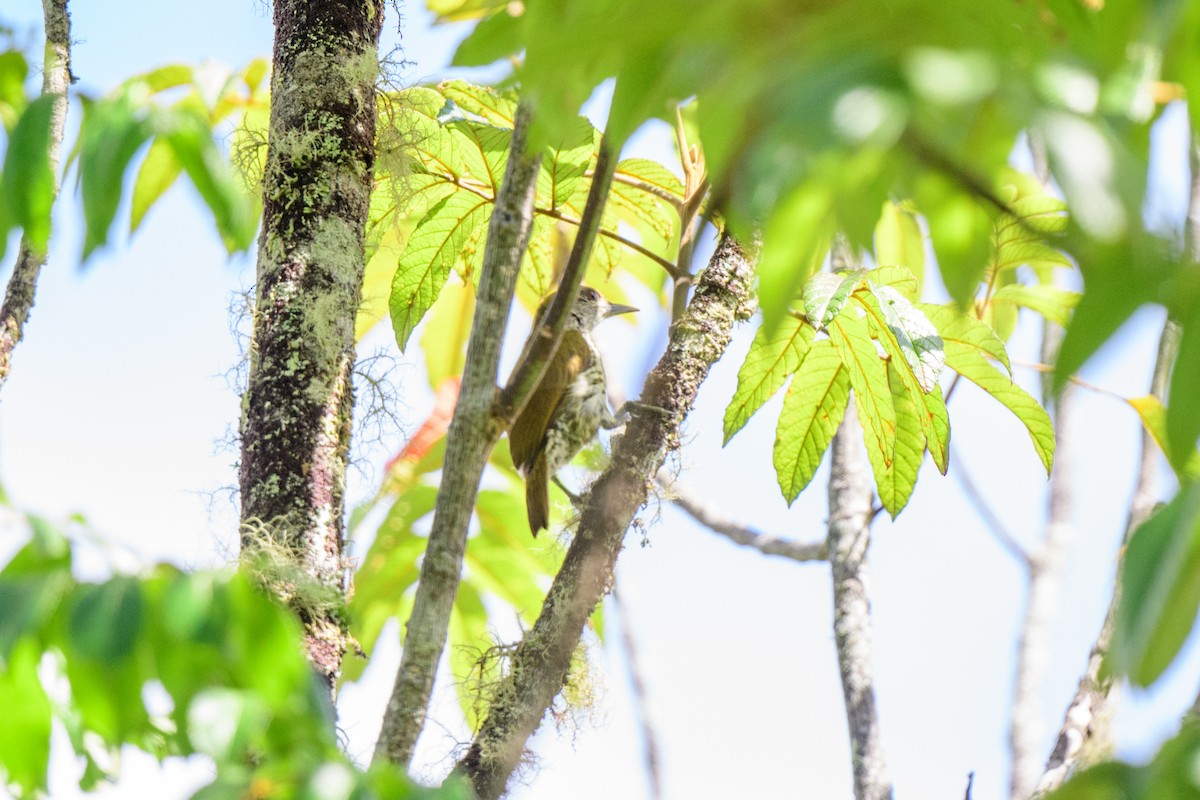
(537, 495)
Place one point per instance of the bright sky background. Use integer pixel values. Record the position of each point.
(118, 407)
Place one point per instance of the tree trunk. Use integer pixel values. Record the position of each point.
(56, 77)
(297, 407)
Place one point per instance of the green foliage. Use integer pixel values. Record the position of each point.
(505, 567)
(1171, 775)
(1160, 589)
(182, 138)
(460, 135)
(28, 179)
(230, 661)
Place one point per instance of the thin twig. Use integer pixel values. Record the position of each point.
(716, 521)
(640, 698)
(985, 512)
(472, 433)
(22, 285)
(849, 538)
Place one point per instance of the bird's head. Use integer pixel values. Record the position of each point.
(590, 308)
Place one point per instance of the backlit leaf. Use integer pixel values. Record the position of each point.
(963, 329)
(825, 295)
(900, 243)
(1051, 302)
(868, 378)
(917, 338)
(972, 365)
(1154, 417)
(771, 359)
(432, 251)
(812, 411)
(895, 481)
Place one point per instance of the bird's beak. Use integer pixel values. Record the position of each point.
(616, 308)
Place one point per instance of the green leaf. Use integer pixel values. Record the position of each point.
(771, 359)
(1104, 781)
(190, 137)
(812, 411)
(28, 179)
(646, 196)
(1160, 589)
(564, 165)
(444, 342)
(1051, 302)
(1118, 279)
(960, 231)
(13, 70)
(158, 172)
(900, 243)
(105, 619)
(1183, 412)
(963, 329)
(25, 734)
(895, 481)
(795, 243)
(1154, 417)
(224, 723)
(972, 365)
(498, 108)
(111, 133)
(919, 344)
(899, 278)
(458, 10)
(937, 430)
(825, 295)
(868, 378)
(432, 251)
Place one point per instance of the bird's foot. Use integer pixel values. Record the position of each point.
(626, 411)
(576, 500)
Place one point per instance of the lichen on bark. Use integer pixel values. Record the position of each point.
(298, 404)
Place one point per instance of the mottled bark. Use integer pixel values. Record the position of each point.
(472, 434)
(22, 285)
(539, 665)
(850, 517)
(298, 403)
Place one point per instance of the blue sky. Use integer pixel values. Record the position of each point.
(119, 404)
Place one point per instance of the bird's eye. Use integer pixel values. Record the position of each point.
(591, 294)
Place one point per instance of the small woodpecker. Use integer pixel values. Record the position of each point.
(568, 406)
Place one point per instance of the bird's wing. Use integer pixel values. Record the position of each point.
(525, 439)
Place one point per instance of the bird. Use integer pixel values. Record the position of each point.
(567, 408)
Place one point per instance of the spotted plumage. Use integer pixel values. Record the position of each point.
(566, 409)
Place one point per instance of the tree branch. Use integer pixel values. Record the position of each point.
(849, 537)
(22, 285)
(713, 519)
(472, 434)
(547, 333)
(1089, 706)
(1045, 584)
(539, 665)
